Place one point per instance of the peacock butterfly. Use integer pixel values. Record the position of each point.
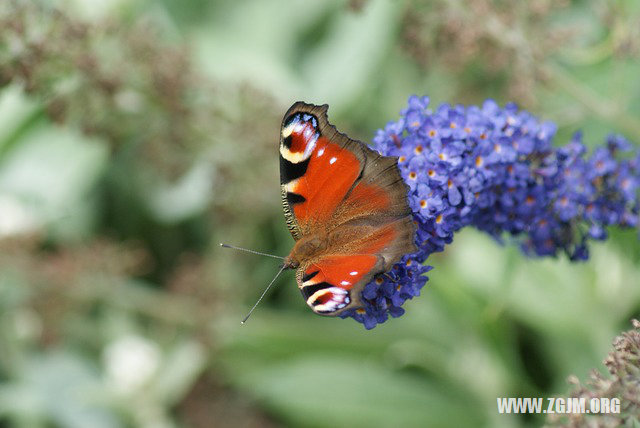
(346, 207)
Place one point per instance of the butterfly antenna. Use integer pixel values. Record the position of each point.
(263, 294)
(392, 279)
(250, 251)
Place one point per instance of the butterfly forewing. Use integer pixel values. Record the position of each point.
(316, 173)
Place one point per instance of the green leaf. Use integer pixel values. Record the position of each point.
(182, 367)
(47, 176)
(58, 388)
(331, 391)
(17, 114)
(189, 196)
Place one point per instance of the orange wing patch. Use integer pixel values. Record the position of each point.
(330, 174)
(326, 284)
(368, 199)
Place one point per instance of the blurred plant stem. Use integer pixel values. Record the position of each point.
(182, 311)
(560, 78)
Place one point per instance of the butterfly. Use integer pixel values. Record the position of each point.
(346, 207)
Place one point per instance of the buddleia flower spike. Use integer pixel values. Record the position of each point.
(495, 168)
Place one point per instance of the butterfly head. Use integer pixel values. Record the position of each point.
(306, 248)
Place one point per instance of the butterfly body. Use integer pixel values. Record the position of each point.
(346, 207)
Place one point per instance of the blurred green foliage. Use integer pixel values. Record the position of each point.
(137, 134)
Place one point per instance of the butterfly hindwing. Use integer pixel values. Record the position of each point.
(333, 282)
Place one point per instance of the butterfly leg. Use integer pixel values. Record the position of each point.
(386, 275)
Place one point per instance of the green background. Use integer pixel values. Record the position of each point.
(136, 135)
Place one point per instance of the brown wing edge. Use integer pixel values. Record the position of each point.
(384, 171)
(289, 218)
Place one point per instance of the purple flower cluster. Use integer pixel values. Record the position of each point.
(495, 169)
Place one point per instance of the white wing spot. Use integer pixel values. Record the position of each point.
(333, 160)
(288, 130)
(307, 132)
(354, 273)
(339, 299)
(321, 152)
(311, 144)
(291, 186)
(345, 283)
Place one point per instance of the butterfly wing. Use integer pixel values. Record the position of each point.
(327, 283)
(340, 189)
(318, 167)
(374, 217)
